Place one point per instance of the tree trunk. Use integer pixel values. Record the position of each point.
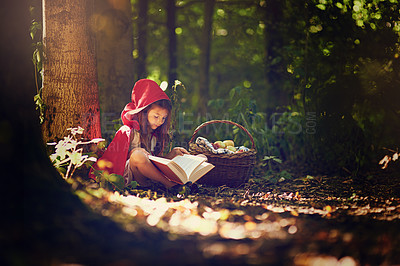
(172, 50)
(141, 37)
(274, 93)
(48, 218)
(115, 65)
(205, 48)
(70, 89)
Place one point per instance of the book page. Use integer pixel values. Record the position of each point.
(201, 170)
(188, 162)
(159, 159)
(169, 168)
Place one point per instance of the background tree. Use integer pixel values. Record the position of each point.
(275, 93)
(204, 60)
(141, 9)
(70, 89)
(172, 45)
(112, 24)
(330, 66)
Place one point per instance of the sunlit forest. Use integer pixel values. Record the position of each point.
(309, 89)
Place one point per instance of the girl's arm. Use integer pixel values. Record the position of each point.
(175, 152)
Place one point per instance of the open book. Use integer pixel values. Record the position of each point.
(182, 168)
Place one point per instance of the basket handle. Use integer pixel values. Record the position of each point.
(225, 122)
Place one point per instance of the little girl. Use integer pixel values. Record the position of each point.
(145, 131)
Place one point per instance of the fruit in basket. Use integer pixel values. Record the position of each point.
(242, 149)
(231, 148)
(229, 143)
(219, 144)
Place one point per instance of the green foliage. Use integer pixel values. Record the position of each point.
(343, 75)
(281, 139)
(68, 155)
(267, 160)
(40, 105)
(366, 13)
(239, 108)
(288, 129)
(112, 182)
(176, 99)
(35, 31)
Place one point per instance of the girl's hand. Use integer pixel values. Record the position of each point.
(176, 151)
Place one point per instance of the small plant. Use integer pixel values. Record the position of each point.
(176, 100)
(111, 181)
(68, 154)
(268, 159)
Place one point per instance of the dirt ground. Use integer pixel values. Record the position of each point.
(299, 219)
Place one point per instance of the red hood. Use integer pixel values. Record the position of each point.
(144, 93)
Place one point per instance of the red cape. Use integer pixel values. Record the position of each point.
(144, 93)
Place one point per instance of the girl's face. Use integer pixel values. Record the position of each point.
(156, 116)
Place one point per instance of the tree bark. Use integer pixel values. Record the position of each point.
(115, 65)
(70, 89)
(143, 7)
(172, 47)
(274, 93)
(205, 50)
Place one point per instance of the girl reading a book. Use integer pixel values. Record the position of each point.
(146, 122)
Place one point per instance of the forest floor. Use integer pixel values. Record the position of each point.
(299, 220)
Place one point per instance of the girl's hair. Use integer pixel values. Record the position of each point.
(161, 133)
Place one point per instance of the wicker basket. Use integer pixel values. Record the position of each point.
(230, 169)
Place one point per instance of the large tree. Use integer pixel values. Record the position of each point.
(115, 65)
(70, 89)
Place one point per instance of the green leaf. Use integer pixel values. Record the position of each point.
(117, 180)
(273, 158)
(133, 184)
(276, 60)
(232, 93)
